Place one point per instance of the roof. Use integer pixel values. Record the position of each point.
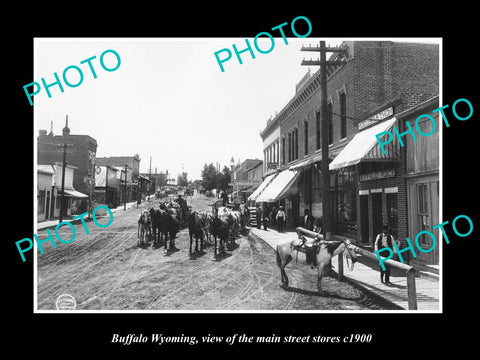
(46, 169)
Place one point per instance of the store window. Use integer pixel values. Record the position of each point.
(41, 202)
(346, 202)
(424, 213)
(392, 213)
(305, 127)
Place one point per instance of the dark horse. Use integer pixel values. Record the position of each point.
(197, 223)
(172, 226)
(221, 230)
(158, 225)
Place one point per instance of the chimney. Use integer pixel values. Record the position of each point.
(42, 132)
(66, 129)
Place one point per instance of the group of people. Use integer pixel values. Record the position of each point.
(279, 218)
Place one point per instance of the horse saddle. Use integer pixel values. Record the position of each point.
(307, 245)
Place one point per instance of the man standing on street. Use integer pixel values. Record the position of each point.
(384, 239)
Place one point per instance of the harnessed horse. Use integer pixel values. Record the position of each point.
(144, 222)
(197, 227)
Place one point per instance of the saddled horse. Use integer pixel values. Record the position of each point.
(326, 250)
(144, 222)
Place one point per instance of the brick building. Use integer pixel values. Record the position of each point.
(246, 176)
(81, 155)
(379, 81)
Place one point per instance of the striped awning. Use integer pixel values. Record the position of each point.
(262, 187)
(364, 147)
(279, 186)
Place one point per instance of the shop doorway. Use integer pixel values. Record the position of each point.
(376, 213)
(364, 218)
(296, 209)
(392, 214)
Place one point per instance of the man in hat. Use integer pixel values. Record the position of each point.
(281, 218)
(383, 240)
(307, 220)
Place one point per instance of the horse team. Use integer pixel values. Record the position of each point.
(159, 224)
(164, 222)
(224, 225)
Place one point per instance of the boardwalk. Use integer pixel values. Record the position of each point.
(367, 276)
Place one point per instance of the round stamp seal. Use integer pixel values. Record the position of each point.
(65, 302)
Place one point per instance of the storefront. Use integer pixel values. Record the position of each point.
(422, 180)
(280, 189)
(367, 186)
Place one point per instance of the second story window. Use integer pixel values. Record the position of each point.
(305, 131)
(343, 115)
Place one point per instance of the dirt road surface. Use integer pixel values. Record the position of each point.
(106, 270)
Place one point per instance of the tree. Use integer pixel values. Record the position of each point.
(209, 177)
(182, 179)
(225, 178)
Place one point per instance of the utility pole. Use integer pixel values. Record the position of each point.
(125, 191)
(106, 185)
(65, 145)
(150, 176)
(327, 216)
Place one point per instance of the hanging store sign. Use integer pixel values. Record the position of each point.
(375, 175)
(375, 118)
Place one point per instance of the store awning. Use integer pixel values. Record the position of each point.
(305, 163)
(262, 187)
(74, 193)
(279, 186)
(364, 147)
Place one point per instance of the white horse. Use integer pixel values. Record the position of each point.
(326, 250)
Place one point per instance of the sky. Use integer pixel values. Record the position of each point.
(168, 99)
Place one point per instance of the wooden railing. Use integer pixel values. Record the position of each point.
(409, 270)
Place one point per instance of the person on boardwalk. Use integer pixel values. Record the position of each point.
(307, 221)
(265, 220)
(281, 218)
(384, 239)
(258, 214)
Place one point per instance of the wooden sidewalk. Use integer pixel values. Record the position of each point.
(366, 275)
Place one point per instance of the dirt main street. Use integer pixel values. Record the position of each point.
(106, 270)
